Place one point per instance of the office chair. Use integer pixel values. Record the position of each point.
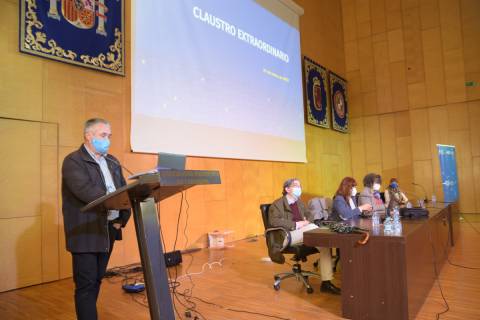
(300, 253)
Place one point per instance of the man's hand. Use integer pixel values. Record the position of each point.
(117, 226)
(301, 224)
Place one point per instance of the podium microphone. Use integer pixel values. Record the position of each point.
(105, 156)
(424, 191)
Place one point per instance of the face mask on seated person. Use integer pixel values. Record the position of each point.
(297, 192)
(376, 186)
(354, 192)
(394, 185)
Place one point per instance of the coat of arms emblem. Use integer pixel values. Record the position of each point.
(81, 13)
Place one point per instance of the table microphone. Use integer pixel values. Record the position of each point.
(105, 156)
(424, 190)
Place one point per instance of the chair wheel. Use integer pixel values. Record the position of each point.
(277, 287)
(310, 290)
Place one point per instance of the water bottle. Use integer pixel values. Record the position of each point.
(434, 200)
(387, 225)
(397, 224)
(409, 205)
(375, 219)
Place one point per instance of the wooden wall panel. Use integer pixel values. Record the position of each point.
(413, 45)
(451, 24)
(367, 69)
(471, 46)
(388, 142)
(382, 77)
(474, 120)
(454, 75)
(21, 252)
(394, 14)
(422, 170)
(409, 4)
(417, 95)
(476, 181)
(378, 17)
(430, 14)
(399, 86)
(372, 140)
(369, 102)
(326, 48)
(65, 101)
(351, 56)
(438, 132)
(358, 148)
(396, 51)
(362, 9)
(421, 148)
(20, 153)
(457, 117)
(22, 98)
(434, 68)
(349, 20)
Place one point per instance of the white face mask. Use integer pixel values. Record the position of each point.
(354, 191)
(376, 186)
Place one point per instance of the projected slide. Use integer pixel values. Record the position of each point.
(216, 79)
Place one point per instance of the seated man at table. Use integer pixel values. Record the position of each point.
(290, 213)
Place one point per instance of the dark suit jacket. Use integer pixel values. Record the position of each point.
(342, 211)
(82, 182)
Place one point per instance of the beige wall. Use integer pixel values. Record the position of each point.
(51, 100)
(407, 62)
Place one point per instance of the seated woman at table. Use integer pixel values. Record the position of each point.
(344, 206)
(394, 197)
(371, 193)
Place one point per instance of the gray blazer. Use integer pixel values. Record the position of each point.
(366, 196)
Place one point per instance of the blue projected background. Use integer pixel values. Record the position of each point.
(209, 66)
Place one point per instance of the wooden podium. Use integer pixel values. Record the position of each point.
(142, 196)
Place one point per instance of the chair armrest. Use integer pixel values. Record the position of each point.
(279, 229)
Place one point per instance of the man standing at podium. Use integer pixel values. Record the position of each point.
(87, 174)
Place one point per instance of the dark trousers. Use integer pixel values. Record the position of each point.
(88, 271)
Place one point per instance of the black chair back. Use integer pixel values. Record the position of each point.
(382, 196)
(264, 209)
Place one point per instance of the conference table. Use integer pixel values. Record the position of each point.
(391, 275)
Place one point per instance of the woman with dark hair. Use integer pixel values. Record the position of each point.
(394, 195)
(344, 207)
(371, 192)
